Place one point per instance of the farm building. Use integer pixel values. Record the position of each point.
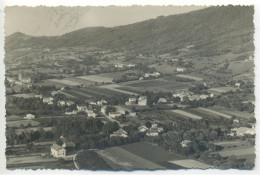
(142, 101)
(69, 103)
(61, 103)
(29, 116)
(58, 151)
(119, 133)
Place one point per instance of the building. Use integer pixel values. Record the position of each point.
(152, 133)
(131, 101)
(38, 96)
(237, 84)
(58, 151)
(103, 110)
(243, 131)
(142, 101)
(162, 100)
(91, 113)
(119, 133)
(185, 143)
(181, 69)
(142, 128)
(69, 103)
(61, 103)
(29, 116)
(114, 114)
(47, 100)
(101, 102)
(71, 112)
(82, 107)
(54, 93)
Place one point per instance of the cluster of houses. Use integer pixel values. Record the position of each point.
(241, 131)
(141, 101)
(154, 130)
(22, 80)
(153, 75)
(190, 95)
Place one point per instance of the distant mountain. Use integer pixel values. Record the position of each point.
(212, 31)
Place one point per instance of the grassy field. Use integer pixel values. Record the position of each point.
(222, 89)
(190, 163)
(237, 152)
(97, 78)
(25, 95)
(120, 159)
(217, 113)
(159, 85)
(163, 68)
(190, 77)
(152, 153)
(117, 88)
(201, 113)
(18, 123)
(13, 118)
(187, 114)
(240, 114)
(240, 67)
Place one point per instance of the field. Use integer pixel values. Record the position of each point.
(159, 85)
(163, 68)
(93, 91)
(222, 89)
(118, 88)
(152, 153)
(200, 112)
(240, 67)
(13, 118)
(240, 114)
(187, 114)
(97, 78)
(18, 123)
(25, 95)
(217, 113)
(189, 163)
(120, 159)
(189, 77)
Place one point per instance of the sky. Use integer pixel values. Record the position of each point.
(50, 21)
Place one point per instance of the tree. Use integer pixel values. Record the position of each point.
(148, 124)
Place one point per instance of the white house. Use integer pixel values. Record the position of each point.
(61, 103)
(54, 93)
(142, 101)
(101, 102)
(237, 84)
(131, 101)
(143, 128)
(47, 100)
(114, 114)
(119, 133)
(152, 133)
(69, 103)
(181, 69)
(29, 116)
(185, 143)
(81, 107)
(58, 151)
(162, 100)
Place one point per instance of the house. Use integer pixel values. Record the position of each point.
(131, 101)
(237, 84)
(119, 133)
(103, 109)
(58, 151)
(81, 107)
(132, 114)
(47, 100)
(236, 121)
(54, 93)
(69, 103)
(152, 133)
(101, 102)
(162, 100)
(91, 113)
(185, 143)
(243, 131)
(182, 94)
(142, 128)
(119, 65)
(131, 65)
(29, 116)
(142, 101)
(181, 69)
(71, 112)
(61, 103)
(38, 96)
(114, 114)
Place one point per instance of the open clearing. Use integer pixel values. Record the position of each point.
(97, 78)
(192, 116)
(21, 122)
(189, 77)
(158, 85)
(217, 113)
(25, 95)
(190, 163)
(14, 118)
(222, 89)
(120, 159)
(152, 153)
(237, 152)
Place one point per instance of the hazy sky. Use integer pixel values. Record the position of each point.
(59, 20)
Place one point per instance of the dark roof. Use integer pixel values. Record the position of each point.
(69, 144)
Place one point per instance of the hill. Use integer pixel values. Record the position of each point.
(212, 31)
